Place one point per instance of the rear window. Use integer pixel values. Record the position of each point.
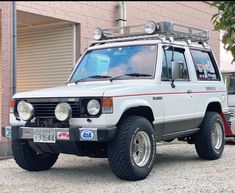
(205, 65)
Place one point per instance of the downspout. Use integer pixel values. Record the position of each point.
(14, 46)
(122, 15)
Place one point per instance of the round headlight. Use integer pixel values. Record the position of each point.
(98, 34)
(25, 110)
(93, 107)
(150, 27)
(63, 111)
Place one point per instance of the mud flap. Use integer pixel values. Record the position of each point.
(228, 130)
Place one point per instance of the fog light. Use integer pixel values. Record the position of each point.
(63, 111)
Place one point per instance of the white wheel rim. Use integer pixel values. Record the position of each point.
(141, 149)
(217, 136)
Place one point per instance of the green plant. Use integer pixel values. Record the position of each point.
(225, 20)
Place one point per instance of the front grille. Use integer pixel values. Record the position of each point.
(229, 123)
(47, 108)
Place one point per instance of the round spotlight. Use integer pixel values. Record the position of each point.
(93, 107)
(25, 110)
(150, 27)
(98, 34)
(63, 111)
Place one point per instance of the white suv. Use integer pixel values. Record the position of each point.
(133, 87)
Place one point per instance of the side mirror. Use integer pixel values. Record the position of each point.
(177, 70)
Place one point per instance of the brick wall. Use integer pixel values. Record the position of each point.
(93, 14)
(6, 83)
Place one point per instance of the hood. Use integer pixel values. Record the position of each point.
(85, 89)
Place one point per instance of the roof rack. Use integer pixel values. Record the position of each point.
(183, 32)
(151, 30)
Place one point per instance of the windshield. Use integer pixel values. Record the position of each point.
(229, 79)
(116, 61)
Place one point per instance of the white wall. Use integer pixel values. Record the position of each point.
(225, 59)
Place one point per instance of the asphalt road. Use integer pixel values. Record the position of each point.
(177, 169)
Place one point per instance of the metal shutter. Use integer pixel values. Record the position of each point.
(45, 56)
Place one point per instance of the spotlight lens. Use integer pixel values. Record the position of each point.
(98, 34)
(63, 111)
(150, 27)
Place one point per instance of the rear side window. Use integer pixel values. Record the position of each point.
(205, 65)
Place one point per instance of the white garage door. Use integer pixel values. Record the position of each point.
(45, 56)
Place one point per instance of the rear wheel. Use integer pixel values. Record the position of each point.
(30, 160)
(132, 153)
(209, 141)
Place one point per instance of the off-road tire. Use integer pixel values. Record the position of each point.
(30, 160)
(203, 139)
(120, 149)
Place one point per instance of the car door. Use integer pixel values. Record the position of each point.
(178, 97)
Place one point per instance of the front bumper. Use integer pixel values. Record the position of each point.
(62, 134)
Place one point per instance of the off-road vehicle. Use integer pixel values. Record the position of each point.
(133, 87)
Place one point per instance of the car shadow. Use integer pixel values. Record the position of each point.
(99, 170)
(230, 142)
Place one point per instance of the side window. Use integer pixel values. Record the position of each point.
(204, 65)
(165, 69)
(178, 56)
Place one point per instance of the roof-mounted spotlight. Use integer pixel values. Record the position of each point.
(98, 34)
(150, 27)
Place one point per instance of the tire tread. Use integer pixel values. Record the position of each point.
(118, 156)
(28, 159)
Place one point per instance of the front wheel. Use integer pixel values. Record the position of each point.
(132, 153)
(30, 160)
(209, 141)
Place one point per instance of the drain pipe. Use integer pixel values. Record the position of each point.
(14, 46)
(122, 15)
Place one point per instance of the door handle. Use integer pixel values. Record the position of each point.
(189, 91)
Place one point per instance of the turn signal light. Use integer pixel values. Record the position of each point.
(12, 106)
(107, 105)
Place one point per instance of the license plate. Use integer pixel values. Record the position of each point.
(44, 135)
(8, 131)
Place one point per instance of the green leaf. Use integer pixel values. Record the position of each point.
(215, 16)
(225, 20)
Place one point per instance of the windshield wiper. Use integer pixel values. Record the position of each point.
(131, 75)
(110, 77)
(90, 77)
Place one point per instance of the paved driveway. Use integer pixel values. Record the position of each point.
(177, 169)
